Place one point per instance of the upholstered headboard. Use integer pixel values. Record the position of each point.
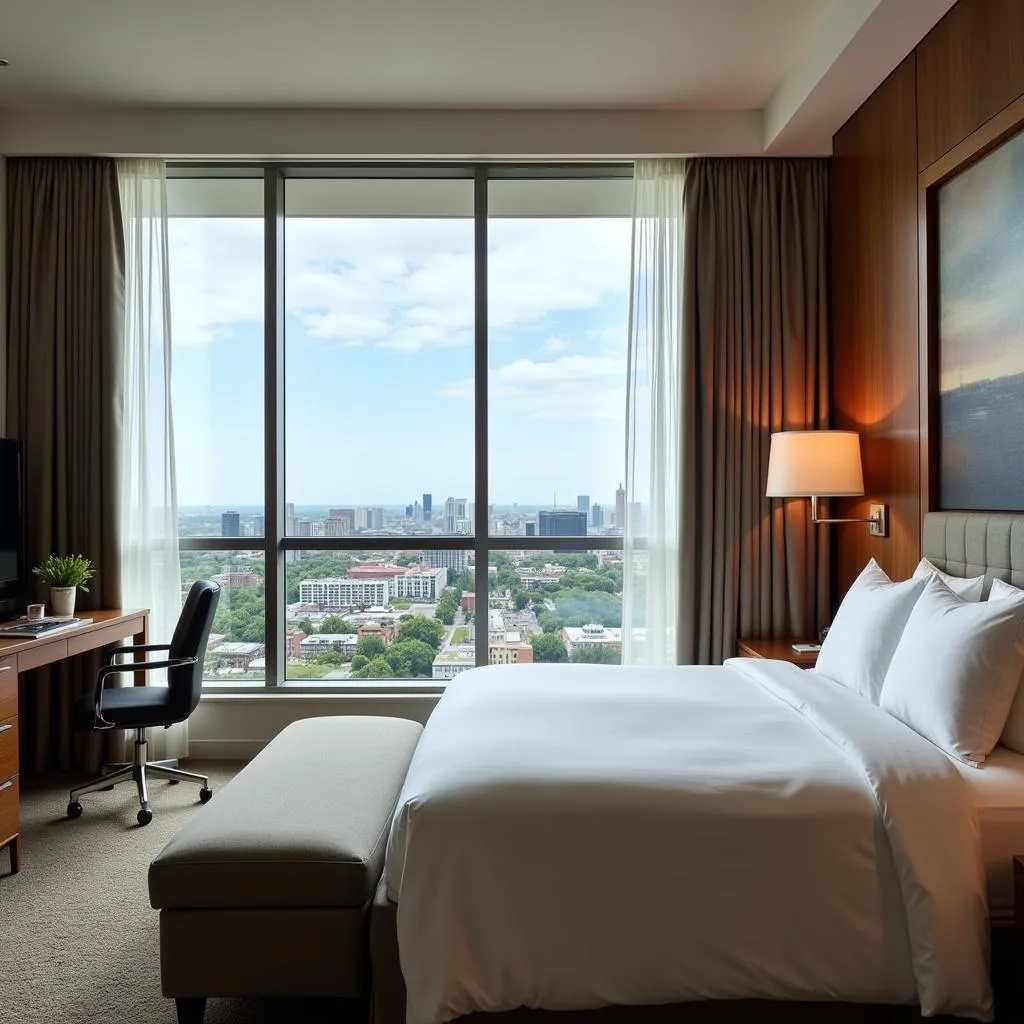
(972, 543)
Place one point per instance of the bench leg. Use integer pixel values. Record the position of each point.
(190, 1011)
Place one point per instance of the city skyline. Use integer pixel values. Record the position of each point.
(379, 359)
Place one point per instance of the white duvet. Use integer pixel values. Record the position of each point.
(577, 836)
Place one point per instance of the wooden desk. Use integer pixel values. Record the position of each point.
(17, 656)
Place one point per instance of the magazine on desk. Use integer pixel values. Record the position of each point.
(36, 629)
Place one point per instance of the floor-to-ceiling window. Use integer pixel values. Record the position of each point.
(399, 401)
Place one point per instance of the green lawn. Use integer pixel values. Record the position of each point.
(459, 635)
(309, 670)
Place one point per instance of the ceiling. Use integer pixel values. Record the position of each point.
(722, 56)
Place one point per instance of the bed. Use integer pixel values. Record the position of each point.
(781, 828)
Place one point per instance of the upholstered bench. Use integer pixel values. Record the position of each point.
(266, 892)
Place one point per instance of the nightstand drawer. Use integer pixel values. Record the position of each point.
(8, 687)
(8, 809)
(8, 749)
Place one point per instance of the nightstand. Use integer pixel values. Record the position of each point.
(777, 650)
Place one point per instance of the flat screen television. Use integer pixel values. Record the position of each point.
(13, 583)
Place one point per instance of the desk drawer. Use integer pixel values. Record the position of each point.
(9, 809)
(8, 749)
(102, 636)
(8, 687)
(44, 652)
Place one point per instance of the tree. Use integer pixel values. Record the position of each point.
(370, 646)
(548, 647)
(419, 627)
(415, 655)
(548, 621)
(358, 662)
(331, 657)
(304, 626)
(377, 668)
(596, 654)
(520, 599)
(336, 624)
(462, 582)
(447, 609)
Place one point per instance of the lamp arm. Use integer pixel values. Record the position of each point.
(815, 518)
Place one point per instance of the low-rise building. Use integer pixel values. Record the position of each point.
(235, 577)
(515, 653)
(340, 592)
(591, 635)
(238, 654)
(495, 626)
(468, 602)
(317, 643)
(420, 584)
(453, 660)
(293, 643)
(533, 578)
(383, 629)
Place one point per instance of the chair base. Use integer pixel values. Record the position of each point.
(138, 770)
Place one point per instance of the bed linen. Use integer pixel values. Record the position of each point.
(784, 828)
(997, 792)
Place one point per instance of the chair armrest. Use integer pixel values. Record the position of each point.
(135, 649)
(113, 670)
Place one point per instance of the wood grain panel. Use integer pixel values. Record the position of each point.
(8, 749)
(44, 653)
(873, 284)
(105, 635)
(8, 810)
(8, 687)
(969, 67)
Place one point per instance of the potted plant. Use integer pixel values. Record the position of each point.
(64, 574)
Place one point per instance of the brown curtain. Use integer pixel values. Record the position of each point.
(755, 335)
(65, 316)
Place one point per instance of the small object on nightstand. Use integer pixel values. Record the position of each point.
(797, 652)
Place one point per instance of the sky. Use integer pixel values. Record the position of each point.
(981, 240)
(379, 359)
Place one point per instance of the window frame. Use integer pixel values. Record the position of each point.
(275, 543)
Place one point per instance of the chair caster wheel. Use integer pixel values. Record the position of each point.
(204, 794)
(173, 782)
(74, 809)
(145, 816)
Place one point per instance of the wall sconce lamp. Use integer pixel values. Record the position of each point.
(821, 464)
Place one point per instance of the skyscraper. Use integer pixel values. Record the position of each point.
(583, 504)
(456, 509)
(453, 560)
(597, 517)
(620, 507)
(428, 507)
(230, 524)
(562, 524)
(531, 529)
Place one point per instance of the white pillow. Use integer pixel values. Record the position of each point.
(864, 634)
(968, 588)
(1013, 732)
(956, 669)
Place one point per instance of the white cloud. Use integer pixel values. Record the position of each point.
(556, 344)
(403, 284)
(569, 389)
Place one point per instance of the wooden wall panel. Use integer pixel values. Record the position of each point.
(969, 67)
(873, 284)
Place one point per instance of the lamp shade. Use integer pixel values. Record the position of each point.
(814, 463)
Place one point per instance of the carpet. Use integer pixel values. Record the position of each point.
(79, 942)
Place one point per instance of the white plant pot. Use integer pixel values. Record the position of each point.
(62, 600)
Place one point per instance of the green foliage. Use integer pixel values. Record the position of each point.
(415, 655)
(326, 564)
(548, 621)
(419, 627)
(65, 571)
(336, 624)
(376, 668)
(307, 670)
(462, 582)
(595, 654)
(304, 626)
(359, 661)
(459, 635)
(370, 646)
(548, 647)
(520, 599)
(332, 658)
(569, 560)
(447, 606)
(578, 607)
(408, 560)
(400, 602)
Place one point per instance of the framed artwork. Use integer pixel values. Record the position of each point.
(979, 323)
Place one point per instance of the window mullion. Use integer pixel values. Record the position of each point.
(481, 524)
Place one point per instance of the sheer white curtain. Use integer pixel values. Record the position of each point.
(654, 450)
(150, 571)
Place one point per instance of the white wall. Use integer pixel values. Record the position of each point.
(335, 134)
(237, 727)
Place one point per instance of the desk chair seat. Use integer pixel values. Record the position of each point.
(143, 707)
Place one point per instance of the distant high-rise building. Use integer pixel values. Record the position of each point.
(428, 507)
(259, 526)
(408, 511)
(341, 522)
(596, 516)
(583, 504)
(454, 510)
(620, 507)
(230, 524)
(562, 524)
(531, 529)
(453, 560)
(369, 518)
(289, 519)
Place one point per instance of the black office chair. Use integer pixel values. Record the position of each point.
(142, 707)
